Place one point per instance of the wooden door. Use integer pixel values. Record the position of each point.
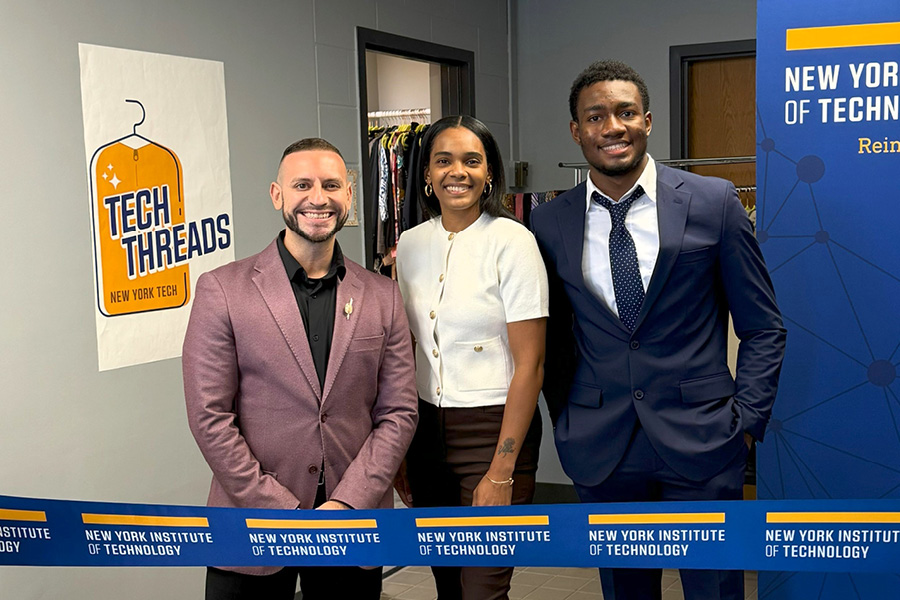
(721, 118)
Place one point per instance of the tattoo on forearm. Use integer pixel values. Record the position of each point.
(507, 447)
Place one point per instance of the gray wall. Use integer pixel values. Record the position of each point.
(554, 41)
(290, 72)
(67, 430)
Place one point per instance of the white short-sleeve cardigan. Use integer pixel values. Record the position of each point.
(460, 290)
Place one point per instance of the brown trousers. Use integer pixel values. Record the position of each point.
(450, 453)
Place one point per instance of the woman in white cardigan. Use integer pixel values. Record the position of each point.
(475, 291)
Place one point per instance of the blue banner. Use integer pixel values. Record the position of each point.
(843, 536)
(828, 99)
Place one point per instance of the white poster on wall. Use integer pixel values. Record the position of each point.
(156, 143)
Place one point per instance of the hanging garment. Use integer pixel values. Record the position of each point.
(413, 212)
(392, 190)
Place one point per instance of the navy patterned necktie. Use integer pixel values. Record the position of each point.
(623, 260)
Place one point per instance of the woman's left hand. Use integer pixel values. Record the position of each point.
(492, 494)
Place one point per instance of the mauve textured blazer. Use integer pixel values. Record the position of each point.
(253, 398)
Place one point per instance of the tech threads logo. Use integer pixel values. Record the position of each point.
(142, 241)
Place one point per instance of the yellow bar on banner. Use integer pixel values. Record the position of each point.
(657, 519)
(9, 514)
(312, 523)
(843, 36)
(483, 521)
(833, 517)
(96, 519)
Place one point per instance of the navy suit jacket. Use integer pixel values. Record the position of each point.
(671, 373)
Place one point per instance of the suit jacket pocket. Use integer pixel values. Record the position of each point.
(363, 344)
(480, 365)
(704, 389)
(586, 395)
(692, 256)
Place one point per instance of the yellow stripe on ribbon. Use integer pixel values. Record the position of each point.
(97, 519)
(9, 514)
(833, 517)
(657, 519)
(529, 520)
(843, 36)
(312, 523)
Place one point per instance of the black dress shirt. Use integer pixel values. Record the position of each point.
(316, 300)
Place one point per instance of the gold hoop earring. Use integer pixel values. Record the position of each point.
(488, 189)
(428, 189)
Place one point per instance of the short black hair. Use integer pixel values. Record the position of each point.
(606, 70)
(311, 144)
(491, 204)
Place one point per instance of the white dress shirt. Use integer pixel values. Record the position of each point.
(460, 290)
(642, 222)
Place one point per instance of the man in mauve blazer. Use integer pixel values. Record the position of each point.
(299, 377)
(651, 412)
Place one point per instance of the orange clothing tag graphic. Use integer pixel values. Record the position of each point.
(141, 238)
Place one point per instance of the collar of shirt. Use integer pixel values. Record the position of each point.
(297, 273)
(647, 180)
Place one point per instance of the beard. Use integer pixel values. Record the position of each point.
(620, 169)
(290, 220)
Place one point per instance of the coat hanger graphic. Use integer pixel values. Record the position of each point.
(135, 126)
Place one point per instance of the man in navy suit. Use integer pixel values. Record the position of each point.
(645, 265)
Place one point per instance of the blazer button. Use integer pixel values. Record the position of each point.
(438, 391)
(324, 417)
(635, 344)
(432, 314)
(441, 278)
(451, 236)
(435, 353)
(313, 469)
(638, 394)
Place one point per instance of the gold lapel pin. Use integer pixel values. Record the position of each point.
(348, 308)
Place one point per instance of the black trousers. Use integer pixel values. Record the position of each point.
(316, 583)
(450, 454)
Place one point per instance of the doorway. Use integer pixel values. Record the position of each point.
(713, 108)
(402, 90)
(410, 76)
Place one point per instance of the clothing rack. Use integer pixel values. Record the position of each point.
(399, 116)
(677, 163)
(392, 190)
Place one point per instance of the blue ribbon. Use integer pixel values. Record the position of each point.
(816, 535)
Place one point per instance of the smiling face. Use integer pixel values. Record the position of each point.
(313, 194)
(457, 170)
(612, 130)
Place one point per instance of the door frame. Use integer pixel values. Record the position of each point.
(680, 59)
(457, 89)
